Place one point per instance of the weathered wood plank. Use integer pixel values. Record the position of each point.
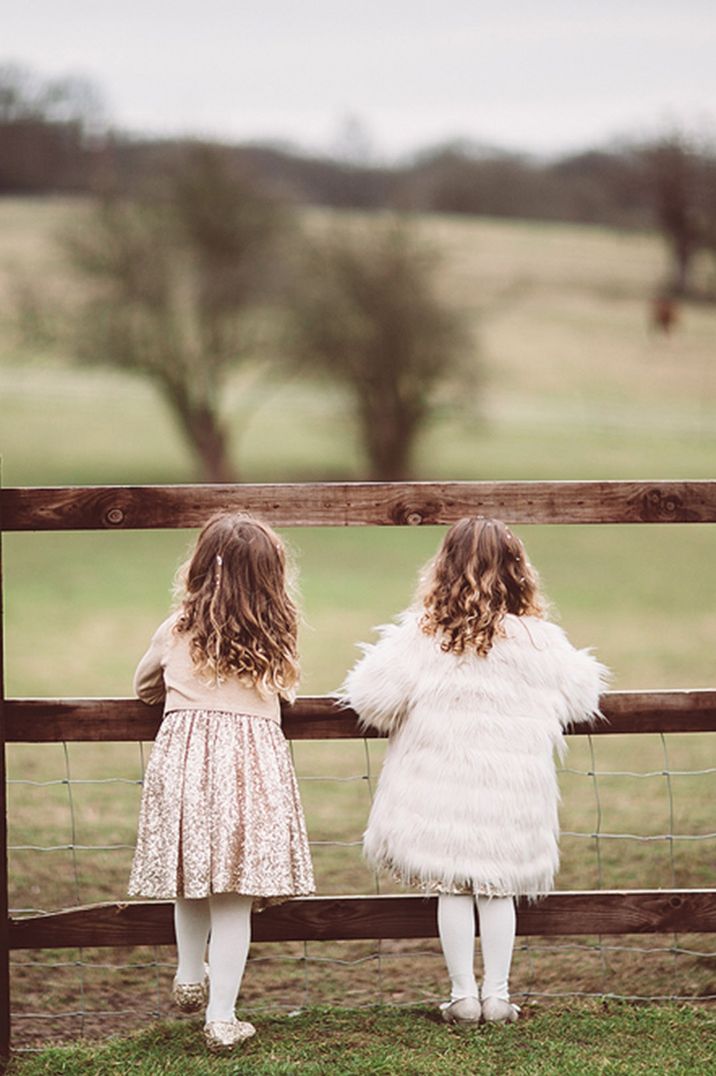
(343, 918)
(359, 503)
(318, 717)
(657, 711)
(4, 924)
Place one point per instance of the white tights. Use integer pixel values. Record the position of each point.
(456, 925)
(228, 917)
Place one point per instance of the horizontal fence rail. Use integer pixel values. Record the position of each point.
(359, 917)
(321, 718)
(350, 918)
(357, 504)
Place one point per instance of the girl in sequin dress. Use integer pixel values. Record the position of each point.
(221, 827)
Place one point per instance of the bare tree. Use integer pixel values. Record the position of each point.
(708, 203)
(680, 175)
(367, 314)
(175, 275)
(671, 171)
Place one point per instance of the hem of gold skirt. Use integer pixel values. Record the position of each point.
(260, 901)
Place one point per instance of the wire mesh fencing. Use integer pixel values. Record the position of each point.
(636, 812)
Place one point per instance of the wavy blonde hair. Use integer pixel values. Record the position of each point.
(236, 607)
(480, 573)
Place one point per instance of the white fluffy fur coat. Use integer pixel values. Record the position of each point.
(467, 798)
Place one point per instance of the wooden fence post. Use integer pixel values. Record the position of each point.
(4, 917)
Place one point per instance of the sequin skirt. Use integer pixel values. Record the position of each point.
(221, 812)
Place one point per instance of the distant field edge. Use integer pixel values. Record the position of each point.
(341, 504)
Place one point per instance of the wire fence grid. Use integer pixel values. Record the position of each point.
(80, 992)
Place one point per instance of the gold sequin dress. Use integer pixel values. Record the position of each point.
(220, 808)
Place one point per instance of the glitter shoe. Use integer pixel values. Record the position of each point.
(498, 1011)
(222, 1035)
(191, 997)
(462, 1011)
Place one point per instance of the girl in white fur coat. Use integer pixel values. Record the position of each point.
(475, 689)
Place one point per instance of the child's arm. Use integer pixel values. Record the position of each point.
(581, 678)
(149, 676)
(381, 684)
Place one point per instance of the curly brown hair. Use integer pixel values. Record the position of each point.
(480, 573)
(235, 604)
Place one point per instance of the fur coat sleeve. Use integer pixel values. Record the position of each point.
(389, 678)
(580, 677)
(381, 685)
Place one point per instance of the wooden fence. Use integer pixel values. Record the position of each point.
(379, 504)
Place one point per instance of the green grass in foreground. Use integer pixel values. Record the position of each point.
(613, 1038)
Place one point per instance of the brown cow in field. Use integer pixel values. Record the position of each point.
(664, 313)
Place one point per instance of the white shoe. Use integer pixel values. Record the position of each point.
(461, 1011)
(499, 1011)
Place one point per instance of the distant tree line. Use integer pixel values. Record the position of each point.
(49, 133)
(604, 187)
(53, 138)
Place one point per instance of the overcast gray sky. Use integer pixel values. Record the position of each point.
(545, 76)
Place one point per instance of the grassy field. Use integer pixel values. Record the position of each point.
(571, 386)
(609, 1040)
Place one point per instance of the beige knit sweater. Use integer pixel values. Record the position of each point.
(167, 672)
